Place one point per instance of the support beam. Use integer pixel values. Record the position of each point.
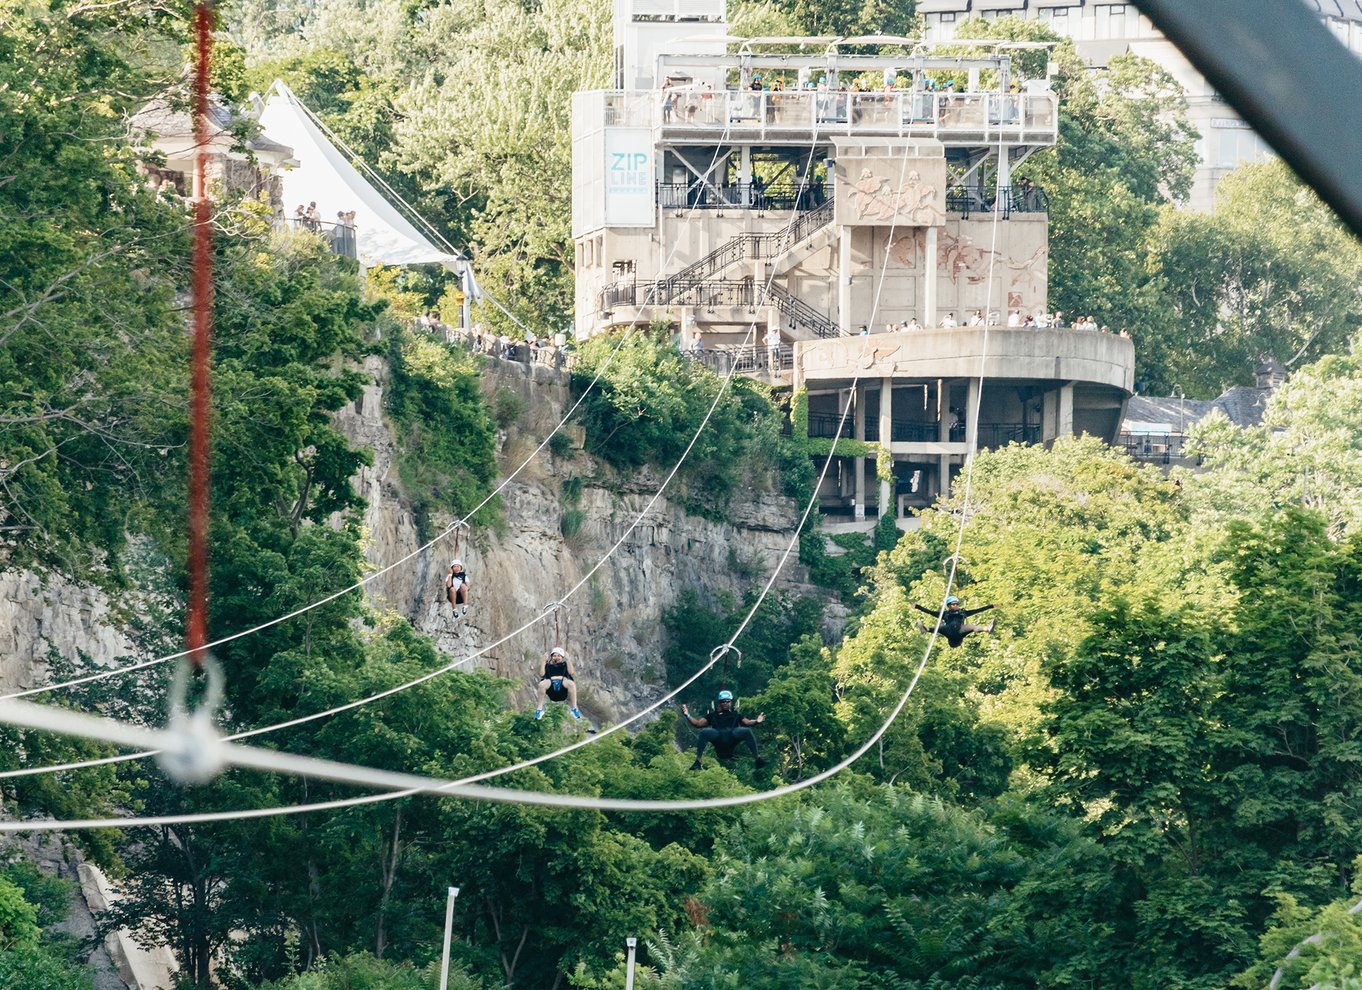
(844, 281)
(858, 414)
(972, 418)
(929, 280)
(886, 435)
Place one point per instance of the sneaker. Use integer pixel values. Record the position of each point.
(991, 625)
(697, 765)
(576, 714)
(538, 714)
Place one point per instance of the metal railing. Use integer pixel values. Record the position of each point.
(800, 316)
(746, 359)
(1156, 448)
(340, 237)
(904, 431)
(694, 277)
(1009, 200)
(1022, 117)
(699, 194)
(1001, 434)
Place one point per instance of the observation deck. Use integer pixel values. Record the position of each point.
(765, 117)
(920, 393)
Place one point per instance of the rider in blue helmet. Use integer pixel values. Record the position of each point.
(953, 625)
(725, 727)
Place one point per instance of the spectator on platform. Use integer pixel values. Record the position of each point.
(949, 322)
(773, 348)
(913, 324)
(1059, 320)
(1029, 322)
(976, 319)
(1014, 319)
(697, 343)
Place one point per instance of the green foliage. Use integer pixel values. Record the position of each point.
(364, 972)
(90, 262)
(651, 400)
(446, 457)
(1271, 272)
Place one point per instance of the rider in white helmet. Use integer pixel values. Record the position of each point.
(557, 682)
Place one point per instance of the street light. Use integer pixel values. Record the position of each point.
(632, 943)
(449, 928)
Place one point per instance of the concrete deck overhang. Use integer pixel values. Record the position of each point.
(1080, 356)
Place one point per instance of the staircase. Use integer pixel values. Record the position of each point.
(698, 283)
(800, 316)
(744, 246)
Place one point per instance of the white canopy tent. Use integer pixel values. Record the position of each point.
(324, 176)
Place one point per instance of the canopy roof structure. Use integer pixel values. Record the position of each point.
(324, 176)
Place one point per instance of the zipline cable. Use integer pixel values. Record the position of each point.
(155, 661)
(103, 761)
(59, 720)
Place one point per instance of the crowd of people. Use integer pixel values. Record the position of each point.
(1015, 319)
(309, 218)
(553, 352)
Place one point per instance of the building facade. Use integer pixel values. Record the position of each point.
(848, 225)
(1101, 29)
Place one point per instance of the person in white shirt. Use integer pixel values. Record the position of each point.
(1044, 320)
(773, 348)
(913, 324)
(977, 320)
(949, 322)
(1014, 319)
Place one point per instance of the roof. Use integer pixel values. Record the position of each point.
(167, 116)
(1153, 409)
(1244, 404)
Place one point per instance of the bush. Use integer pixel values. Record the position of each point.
(446, 448)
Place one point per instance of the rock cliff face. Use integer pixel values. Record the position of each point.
(612, 623)
(38, 614)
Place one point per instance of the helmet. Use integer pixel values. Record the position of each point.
(558, 651)
(725, 695)
(952, 600)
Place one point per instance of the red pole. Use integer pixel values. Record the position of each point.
(200, 406)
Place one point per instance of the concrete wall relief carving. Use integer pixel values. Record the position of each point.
(889, 191)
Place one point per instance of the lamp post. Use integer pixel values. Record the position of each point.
(449, 928)
(632, 943)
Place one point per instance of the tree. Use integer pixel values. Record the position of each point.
(1271, 273)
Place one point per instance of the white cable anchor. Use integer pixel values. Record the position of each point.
(192, 749)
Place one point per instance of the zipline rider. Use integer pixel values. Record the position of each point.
(725, 727)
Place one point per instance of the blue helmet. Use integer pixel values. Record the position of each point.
(725, 695)
(952, 600)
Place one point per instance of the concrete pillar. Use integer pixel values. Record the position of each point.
(886, 435)
(943, 434)
(1004, 171)
(858, 425)
(972, 418)
(745, 170)
(929, 281)
(1064, 425)
(844, 281)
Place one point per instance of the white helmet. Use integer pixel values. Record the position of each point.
(456, 562)
(558, 651)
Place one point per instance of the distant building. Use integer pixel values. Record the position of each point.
(769, 198)
(1103, 28)
(240, 159)
(1156, 429)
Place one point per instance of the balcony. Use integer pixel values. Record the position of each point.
(340, 237)
(952, 118)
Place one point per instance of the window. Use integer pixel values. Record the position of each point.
(947, 17)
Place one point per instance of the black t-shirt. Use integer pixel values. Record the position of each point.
(552, 669)
(730, 719)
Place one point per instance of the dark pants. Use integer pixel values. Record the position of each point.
(725, 741)
(955, 631)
